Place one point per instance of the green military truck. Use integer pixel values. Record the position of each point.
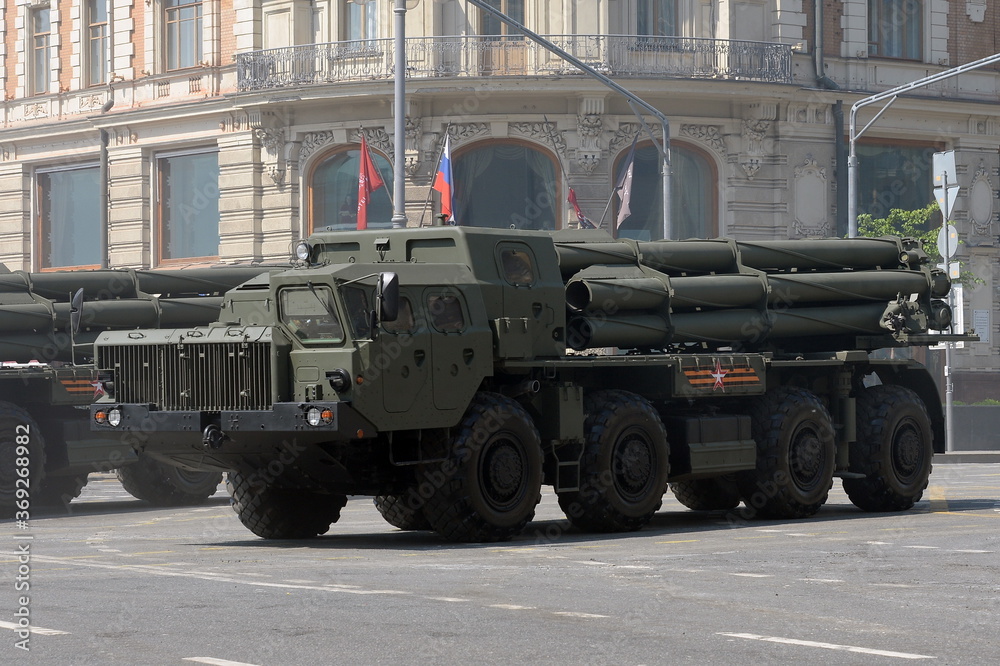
(451, 371)
(48, 323)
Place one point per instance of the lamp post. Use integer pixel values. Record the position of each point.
(399, 108)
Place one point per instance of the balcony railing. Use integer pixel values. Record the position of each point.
(472, 56)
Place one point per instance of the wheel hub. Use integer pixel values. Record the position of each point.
(907, 451)
(806, 460)
(502, 473)
(632, 466)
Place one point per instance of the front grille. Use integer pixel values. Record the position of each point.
(206, 377)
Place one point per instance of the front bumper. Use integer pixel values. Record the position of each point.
(230, 429)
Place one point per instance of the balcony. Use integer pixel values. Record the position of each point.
(619, 56)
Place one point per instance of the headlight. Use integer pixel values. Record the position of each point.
(340, 380)
(317, 417)
(114, 417)
(303, 251)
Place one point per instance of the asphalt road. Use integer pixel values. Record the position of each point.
(117, 582)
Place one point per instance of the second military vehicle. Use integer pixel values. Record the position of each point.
(451, 371)
(48, 323)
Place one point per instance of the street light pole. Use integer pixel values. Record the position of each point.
(399, 109)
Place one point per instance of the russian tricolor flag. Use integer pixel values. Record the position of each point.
(444, 183)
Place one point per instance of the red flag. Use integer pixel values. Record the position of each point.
(584, 221)
(369, 180)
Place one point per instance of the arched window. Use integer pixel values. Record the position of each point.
(692, 200)
(503, 184)
(333, 192)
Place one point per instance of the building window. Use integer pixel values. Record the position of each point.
(188, 206)
(68, 218)
(97, 42)
(360, 21)
(183, 33)
(892, 175)
(657, 17)
(895, 28)
(504, 185)
(491, 25)
(333, 194)
(692, 198)
(41, 54)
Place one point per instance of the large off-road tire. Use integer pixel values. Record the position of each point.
(61, 490)
(717, 494)
(19, 430)
(894, 449)
(277, 513)
(795, 455)
(489, 484)
(161, 484)
(624, 468)
(398, 513)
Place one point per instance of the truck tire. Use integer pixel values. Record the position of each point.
(488, 486)
(894, 449)
(795, 455)
(278, 513)
(718, 494)
(398, 513)
(624, 468)
(61, 490)
(161, 484)
(15, 425)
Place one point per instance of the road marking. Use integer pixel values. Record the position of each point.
(586, 616)
(454, 600)
(971, 551)
(511, 607)
(680, 541)
(34, 630)
(924, 547)
(821, 580)
(217, 662)
(829, 646)
(752, 575)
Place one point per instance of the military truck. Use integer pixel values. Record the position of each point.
(450, 371)
(48, 323)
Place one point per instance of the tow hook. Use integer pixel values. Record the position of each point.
(213, 437)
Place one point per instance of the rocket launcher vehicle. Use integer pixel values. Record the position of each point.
(38, 309)
(761, 295)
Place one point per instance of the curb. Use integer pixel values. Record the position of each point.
(967, 457)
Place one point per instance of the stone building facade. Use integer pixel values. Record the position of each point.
(233, 125)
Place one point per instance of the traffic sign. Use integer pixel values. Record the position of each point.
(947, 246)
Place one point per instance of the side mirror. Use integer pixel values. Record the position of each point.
(387, 295)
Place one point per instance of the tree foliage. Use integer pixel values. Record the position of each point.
(922, 224)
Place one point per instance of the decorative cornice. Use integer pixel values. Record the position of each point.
(543, 132)
(466, 132)
(312, 142)
(710, 135)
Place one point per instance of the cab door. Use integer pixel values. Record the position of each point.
(404, 354)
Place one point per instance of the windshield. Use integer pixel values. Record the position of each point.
(311, 315)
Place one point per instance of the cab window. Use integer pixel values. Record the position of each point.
(405, 323)
(445, 312)
(517, 266)
(311, 315)
(358, 312)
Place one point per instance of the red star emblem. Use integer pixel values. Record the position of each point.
(98, 389)
(719, 375)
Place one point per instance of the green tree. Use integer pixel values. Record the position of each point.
(922, 224)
